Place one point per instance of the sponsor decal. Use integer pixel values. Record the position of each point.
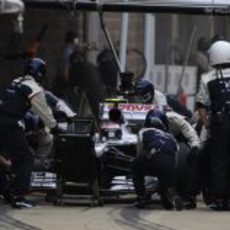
(130, 107)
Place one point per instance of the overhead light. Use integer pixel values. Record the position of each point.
(11, 6)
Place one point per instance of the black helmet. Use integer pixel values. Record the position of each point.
(156, 118)
(145, 90)
(35, 67)
(115, 115)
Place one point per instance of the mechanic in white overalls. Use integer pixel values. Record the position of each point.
(20, 95)
(213, 103)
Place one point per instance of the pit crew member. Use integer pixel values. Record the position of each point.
(20, 95)
(214, 96)
(156, 152)
(188, 182)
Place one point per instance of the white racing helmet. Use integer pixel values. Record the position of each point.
(219, 53)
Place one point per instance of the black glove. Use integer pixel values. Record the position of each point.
(193, 155)
(57, 130)
(69, 119)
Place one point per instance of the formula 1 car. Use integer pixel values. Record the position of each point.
(115, 143)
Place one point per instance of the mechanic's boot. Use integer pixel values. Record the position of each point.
(143, 202)
(166, 201)
(175, 199)
(216, 204)
(189, 202)
(20, 202)
(7, 196)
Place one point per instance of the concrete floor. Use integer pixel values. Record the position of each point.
(115, 216)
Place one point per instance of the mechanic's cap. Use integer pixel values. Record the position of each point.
(144, 89)
(157, 119)
(36, 67)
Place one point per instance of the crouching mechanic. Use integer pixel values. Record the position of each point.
(40, 138)
(187, 168)
(20, 95)
(156, 151)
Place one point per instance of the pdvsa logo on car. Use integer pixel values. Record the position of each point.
(129, 107)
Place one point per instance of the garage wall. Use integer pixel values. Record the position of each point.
(60, 21)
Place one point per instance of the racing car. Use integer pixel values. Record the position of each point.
(115, 143)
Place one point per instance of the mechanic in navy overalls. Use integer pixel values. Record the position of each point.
(214, 94)
(156, 151)
(16, 99)
(147, 94)
(186, 136)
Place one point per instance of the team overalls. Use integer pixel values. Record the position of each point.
(15, 100)
(156, 157)
(215, 93)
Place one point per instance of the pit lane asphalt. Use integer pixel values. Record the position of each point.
(7, 222)
(114, 216)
